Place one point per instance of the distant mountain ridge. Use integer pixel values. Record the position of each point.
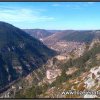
(38, 33)
(71, 35)
(82, 36)
(49, 36)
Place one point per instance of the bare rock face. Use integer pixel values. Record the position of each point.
(80, 50)
(53, 73)
(94, 42)
(98, 56)
(71, 70)
(52, 70)
(60, 57)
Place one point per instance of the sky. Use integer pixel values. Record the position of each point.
(52, 15)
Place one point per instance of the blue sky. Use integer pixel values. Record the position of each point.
(52, 15)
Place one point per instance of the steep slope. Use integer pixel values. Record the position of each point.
(38, 33)
(86, 79)
(19, 53)
(80, 74)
